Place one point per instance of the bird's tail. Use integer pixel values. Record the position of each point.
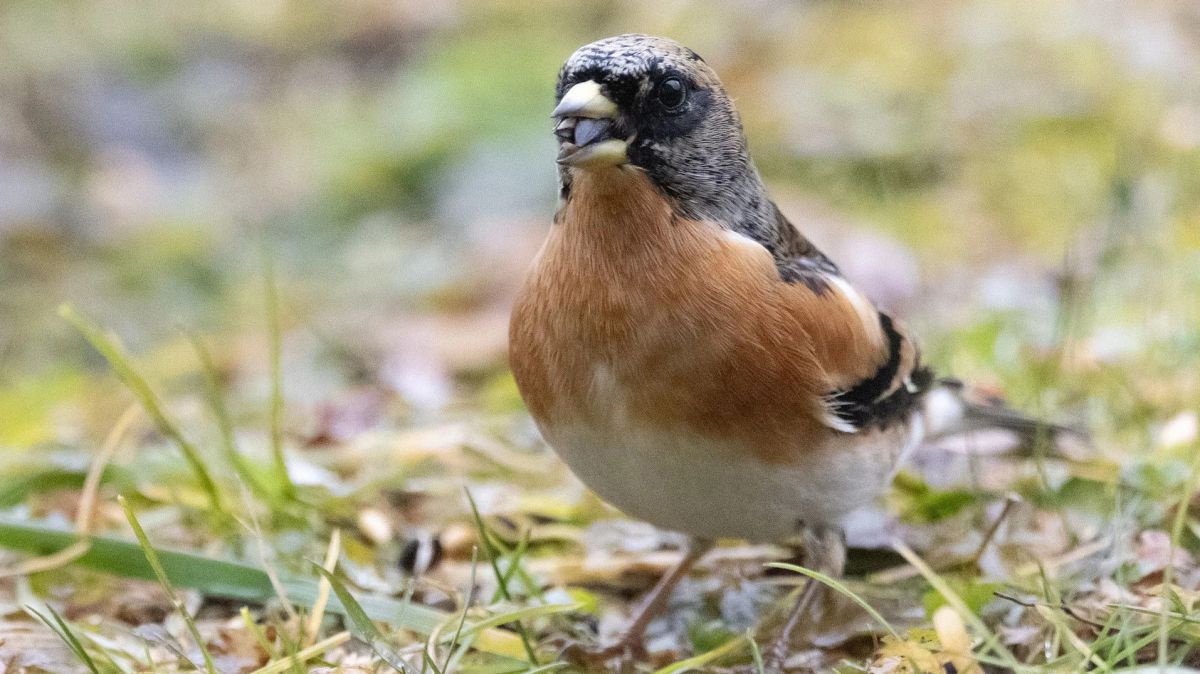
(951, 409)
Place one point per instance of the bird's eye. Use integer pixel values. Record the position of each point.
(672, 93)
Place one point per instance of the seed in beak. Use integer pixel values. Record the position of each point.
(588, 130)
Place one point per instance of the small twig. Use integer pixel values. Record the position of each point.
(1146, 611)
(1010, 500)
(1034, 604)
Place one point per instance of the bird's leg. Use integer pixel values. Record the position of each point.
(656, 600)
(824, 551)
(631, 641)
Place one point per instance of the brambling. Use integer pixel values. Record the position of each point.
(692, 357)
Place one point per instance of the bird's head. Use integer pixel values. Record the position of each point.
(651, 103)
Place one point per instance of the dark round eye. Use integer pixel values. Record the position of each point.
(672, 93)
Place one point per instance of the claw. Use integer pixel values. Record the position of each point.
(596, 657)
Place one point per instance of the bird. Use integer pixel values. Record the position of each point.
(692, 357)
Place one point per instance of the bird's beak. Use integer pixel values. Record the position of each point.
(587, 120)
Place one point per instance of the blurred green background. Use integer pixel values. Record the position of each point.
(1020, 180)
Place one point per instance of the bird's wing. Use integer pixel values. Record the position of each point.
(797, 259)
(874, 367)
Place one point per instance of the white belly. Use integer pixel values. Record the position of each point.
(709, 489)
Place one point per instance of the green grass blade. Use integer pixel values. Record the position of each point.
(552, 667)
(259, 634)
(991, 640)
(275, 342)
(364, 627)
(63, 630)
(18, 486)
(125, 558)
(230, 580)
(466, 608)
(428, 662)
(840, 589)
(755, 653)
(492, 551)
(302, 656)
(165, 582)
(516, 567)
(698, 661)
(220, 412)
(122, 366)
(1181, 512)
(515, 616)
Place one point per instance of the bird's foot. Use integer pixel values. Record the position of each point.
(773, 662)
(776, 656)
(627, 650)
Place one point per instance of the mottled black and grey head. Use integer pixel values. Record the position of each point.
(655, 104)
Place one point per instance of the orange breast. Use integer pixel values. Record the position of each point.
(690, 323)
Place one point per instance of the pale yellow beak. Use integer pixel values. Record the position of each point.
(586, 124)
(585, 100)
